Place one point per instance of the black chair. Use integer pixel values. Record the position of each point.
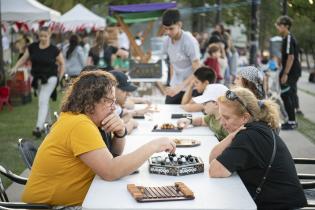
(307, 181)
(28, 151)
(47, 126)
(4, 200)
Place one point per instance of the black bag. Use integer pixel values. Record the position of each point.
(311, 78)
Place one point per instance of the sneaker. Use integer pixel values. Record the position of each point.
(37, 132)
(299, 112)
(289, 126)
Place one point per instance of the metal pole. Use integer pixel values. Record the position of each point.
(254, 33)
(2, 73)
(218, 14)
(284, 7)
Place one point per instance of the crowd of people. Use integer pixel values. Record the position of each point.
(88, 138)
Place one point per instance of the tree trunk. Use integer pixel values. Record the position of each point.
(307, 60)
(313, 55)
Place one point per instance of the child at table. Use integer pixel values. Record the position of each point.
(210, 107)
(203, 76)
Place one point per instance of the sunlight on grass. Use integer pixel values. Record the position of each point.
(16, 124)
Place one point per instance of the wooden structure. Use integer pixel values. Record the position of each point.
(136, 13)
(179, 191)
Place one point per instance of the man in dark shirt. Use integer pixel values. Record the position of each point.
(291, 71)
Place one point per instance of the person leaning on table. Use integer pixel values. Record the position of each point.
(74, 152)
(248, 150)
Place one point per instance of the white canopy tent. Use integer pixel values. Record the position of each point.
(80, 17)
(26, 11)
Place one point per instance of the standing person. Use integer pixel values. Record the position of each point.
(101, 53)
(291, 70)
(74, 54)
(212, 61)
(255, 152)
(184, 54)
(74, 152)
(123, 40)
(85, 46)
(47, 67)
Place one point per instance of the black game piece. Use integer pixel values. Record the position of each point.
(176, 165)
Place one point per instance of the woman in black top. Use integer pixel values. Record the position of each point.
(248, 151)
(47, 66)
(101, 53)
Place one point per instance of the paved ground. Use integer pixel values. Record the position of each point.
(307, 103)
(298, 144)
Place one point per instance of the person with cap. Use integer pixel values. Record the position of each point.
(184, 55)
(291, 71)
(210, 107)
(123, 89)
(251, 78)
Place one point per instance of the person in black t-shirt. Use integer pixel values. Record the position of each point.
(101, 53)
(248, 151)
(291, 71)
(47, 67)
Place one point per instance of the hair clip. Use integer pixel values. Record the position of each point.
(261, 103)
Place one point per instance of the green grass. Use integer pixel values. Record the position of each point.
(16, 124)
(307, 92)
(306, 127)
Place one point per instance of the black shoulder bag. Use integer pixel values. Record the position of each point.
(258, 189)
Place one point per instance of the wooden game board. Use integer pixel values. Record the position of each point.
(179, 191)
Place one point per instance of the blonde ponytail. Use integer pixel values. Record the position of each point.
(260, 110)
(269, 113)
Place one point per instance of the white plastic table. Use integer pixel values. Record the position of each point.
(210, 193)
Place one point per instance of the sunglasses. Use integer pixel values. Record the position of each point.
(232, 97)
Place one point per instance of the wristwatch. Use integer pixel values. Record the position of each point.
(190, 119)
(122, 136)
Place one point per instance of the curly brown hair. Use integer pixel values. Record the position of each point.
(87, 89)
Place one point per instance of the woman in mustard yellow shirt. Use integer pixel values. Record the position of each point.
(74, 151)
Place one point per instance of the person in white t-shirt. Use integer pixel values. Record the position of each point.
(184, 54)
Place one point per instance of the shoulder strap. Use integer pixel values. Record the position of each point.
(258, 189)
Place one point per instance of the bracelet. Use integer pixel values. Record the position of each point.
(190, 120)
(122, 136)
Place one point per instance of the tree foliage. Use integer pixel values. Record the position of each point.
(302, 11)
(303, 14)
